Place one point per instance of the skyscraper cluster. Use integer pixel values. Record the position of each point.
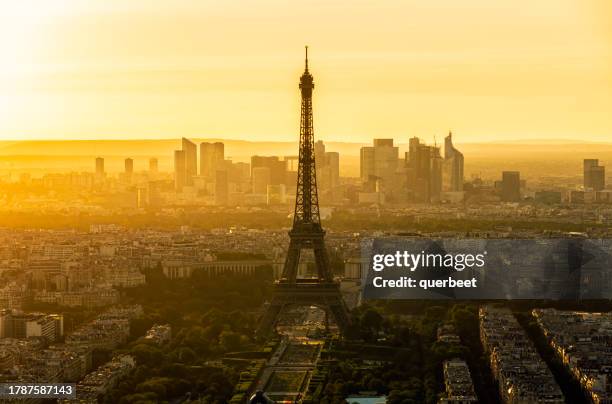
(212, 165)
(423, 175)
(266, 180)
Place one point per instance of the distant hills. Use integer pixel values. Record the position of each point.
(154, 147)
(242, 149)
(534, 158)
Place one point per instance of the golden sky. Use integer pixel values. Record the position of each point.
(488, 70)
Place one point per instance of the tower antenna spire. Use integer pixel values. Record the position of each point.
(306, 47)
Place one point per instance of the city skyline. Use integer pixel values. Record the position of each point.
(541, 71)
(371, 242)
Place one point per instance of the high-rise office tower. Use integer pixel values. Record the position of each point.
(319, 149)
(278, 168)
(332, 161)
(129, 171)
(423, 173)
(413, 151)
(411, 164)
(153, 165)
(453, 166)
(99, 167)
(424, 167)
(588, 164)
(191, 160)
(239, 174)
(261, 177)
(511, 186)
(598, 178)
(379, 161)
(594, 175)
(212, 156)
(435, 178)
(129, 166)
(328, 167)
(366, 163)
(179, 170)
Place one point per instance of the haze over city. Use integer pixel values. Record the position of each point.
(194, 208)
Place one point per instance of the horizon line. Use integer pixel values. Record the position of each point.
(501, 141)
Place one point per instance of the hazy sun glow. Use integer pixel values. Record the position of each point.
(161, 69)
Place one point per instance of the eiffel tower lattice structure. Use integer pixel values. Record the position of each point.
(306, 234)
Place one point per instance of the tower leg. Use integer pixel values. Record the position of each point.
(322, 261)
(327, 320)
(269, 319)
(290, 270)
(340, 313)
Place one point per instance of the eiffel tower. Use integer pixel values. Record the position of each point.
(306, 233)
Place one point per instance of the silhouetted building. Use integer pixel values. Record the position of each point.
(379, 165)
(511, 186)
(379, 160)
(328, 167)
(413, 151)
(594, 175)
(99, 167)
(332, 163)
(278, 168)
(191, 160)
(453, 166)
(212, 156)
(435, 179)
(128, 172)
(179, 170)
(319, 151)
(417, 189)
(129, 166)
(239, 173)
(261, 179)
(424, 172)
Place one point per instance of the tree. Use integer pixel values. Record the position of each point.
(146, 354)
(372, 320)
(230, 341)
